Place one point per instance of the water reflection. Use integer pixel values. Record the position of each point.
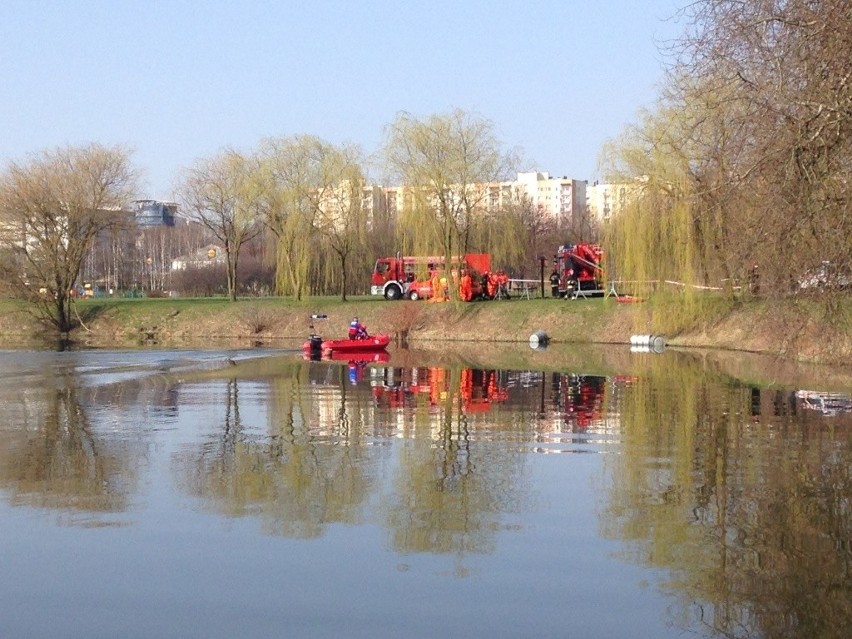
(304, 471)
(743, 497)
(737, 493)
(53, 456)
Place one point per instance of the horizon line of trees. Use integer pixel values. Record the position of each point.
(293, 204)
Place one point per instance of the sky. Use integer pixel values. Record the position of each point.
(180, 80)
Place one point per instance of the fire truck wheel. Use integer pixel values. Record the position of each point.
(393, 293)
(413, 296)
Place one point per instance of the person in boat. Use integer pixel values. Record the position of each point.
(357, 330)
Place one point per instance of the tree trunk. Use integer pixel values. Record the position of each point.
(343, 275)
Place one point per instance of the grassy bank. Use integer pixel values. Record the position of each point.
(757, 326)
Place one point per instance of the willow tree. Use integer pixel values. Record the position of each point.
(653, 238)
(654, 243)
(52, 209)
(341, 218)
(293, 179)
(447, 160)
(223, 194)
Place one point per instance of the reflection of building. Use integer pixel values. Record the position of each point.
(572, 405)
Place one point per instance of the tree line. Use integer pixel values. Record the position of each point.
(295, 207)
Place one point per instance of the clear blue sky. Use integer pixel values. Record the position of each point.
(178, 80)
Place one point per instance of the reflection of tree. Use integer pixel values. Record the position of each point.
(297, 478)
(318, 459)
(750, 513)
(452, 486)
(58, 461)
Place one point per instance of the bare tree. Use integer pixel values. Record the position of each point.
(747, 159)
(51, 210)
(538, 237)
(775, 76)
(223, 194)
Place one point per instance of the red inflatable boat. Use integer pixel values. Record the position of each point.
(371, 344)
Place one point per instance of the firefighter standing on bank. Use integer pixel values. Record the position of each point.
(466, 287)
(554, 283)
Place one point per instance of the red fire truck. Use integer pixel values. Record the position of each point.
(580, 269)
(411, 277)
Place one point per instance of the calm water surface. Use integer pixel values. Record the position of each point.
(180, 494)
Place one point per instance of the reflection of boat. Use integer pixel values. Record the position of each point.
(826, 403)
(364, 357)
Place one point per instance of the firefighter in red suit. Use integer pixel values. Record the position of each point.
(357, 330)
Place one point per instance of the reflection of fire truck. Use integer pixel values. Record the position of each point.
(580, 397)
(399, 387)
(481, 388)
(411, 277)
(478, 389)
(580, 269)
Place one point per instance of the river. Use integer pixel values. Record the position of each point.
(251, 493)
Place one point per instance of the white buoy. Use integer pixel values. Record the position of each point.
(653, 343)
(539, 340)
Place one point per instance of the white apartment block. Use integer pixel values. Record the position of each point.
(563, 198)
(603, 201)
(336, 204)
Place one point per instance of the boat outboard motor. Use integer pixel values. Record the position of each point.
(315, 340)
(315, 344)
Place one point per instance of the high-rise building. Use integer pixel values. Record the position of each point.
(564, 198)
(154, 213)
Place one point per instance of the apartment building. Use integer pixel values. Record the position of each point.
(564, 198)
(603, 201)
